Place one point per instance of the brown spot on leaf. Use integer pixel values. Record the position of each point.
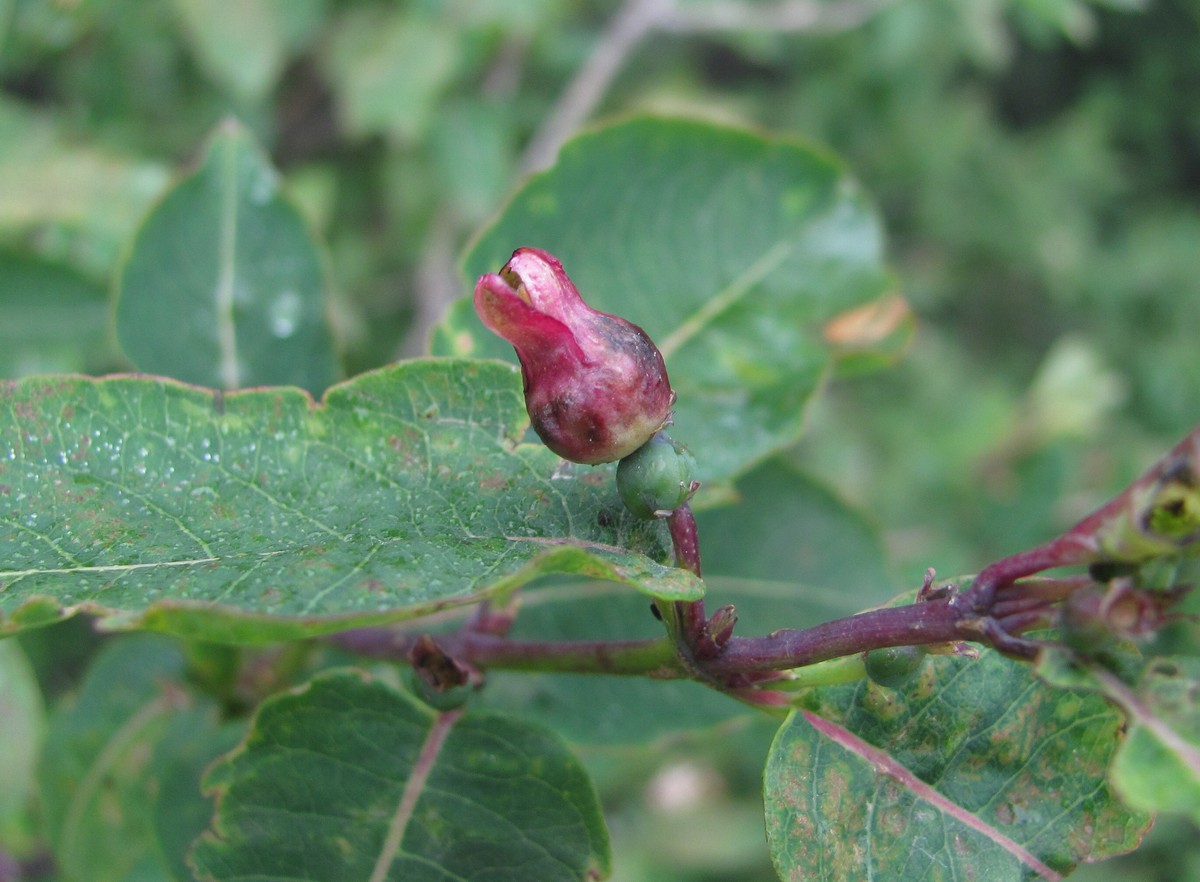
(494, 482)
(373, 586)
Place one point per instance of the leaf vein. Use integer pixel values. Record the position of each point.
(413, 789)
(885, 764)
(226, 257)
(722, 300)
(25, 528)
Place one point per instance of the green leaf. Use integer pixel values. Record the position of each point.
(388, 66)
(260, 516)
(49, 180)
(243, 52)
(976, 770)
(54, 319)
(347, 778)
(22, 723)
(1158, 765)
(104, 763)
(731, 250)
(223, 285)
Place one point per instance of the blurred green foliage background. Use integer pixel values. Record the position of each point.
(1037, 164)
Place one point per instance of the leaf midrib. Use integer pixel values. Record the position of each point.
(732, 293)
(414, 787)
(226, 256)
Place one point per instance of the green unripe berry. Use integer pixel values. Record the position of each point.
(656, 478)
(895, 666)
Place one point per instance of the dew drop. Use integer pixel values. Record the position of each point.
(283, 313)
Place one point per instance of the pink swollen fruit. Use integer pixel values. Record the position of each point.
(596, 387)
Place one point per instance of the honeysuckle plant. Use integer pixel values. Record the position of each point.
(380, 629)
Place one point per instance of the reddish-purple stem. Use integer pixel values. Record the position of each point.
(742, 661)
(685, 538)
(1004, 572)
(1081, 544)
(647, 658)
(690, 614)
(933, 622)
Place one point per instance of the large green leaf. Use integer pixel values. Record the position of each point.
(347, 778)
(1157, 767)
(259, 515)
(223, 285)
(108, 753)
(975, 771)
(733, 251)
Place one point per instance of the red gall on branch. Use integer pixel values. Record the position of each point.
(596, 387)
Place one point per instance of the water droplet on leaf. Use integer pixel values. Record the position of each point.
(283, 314)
